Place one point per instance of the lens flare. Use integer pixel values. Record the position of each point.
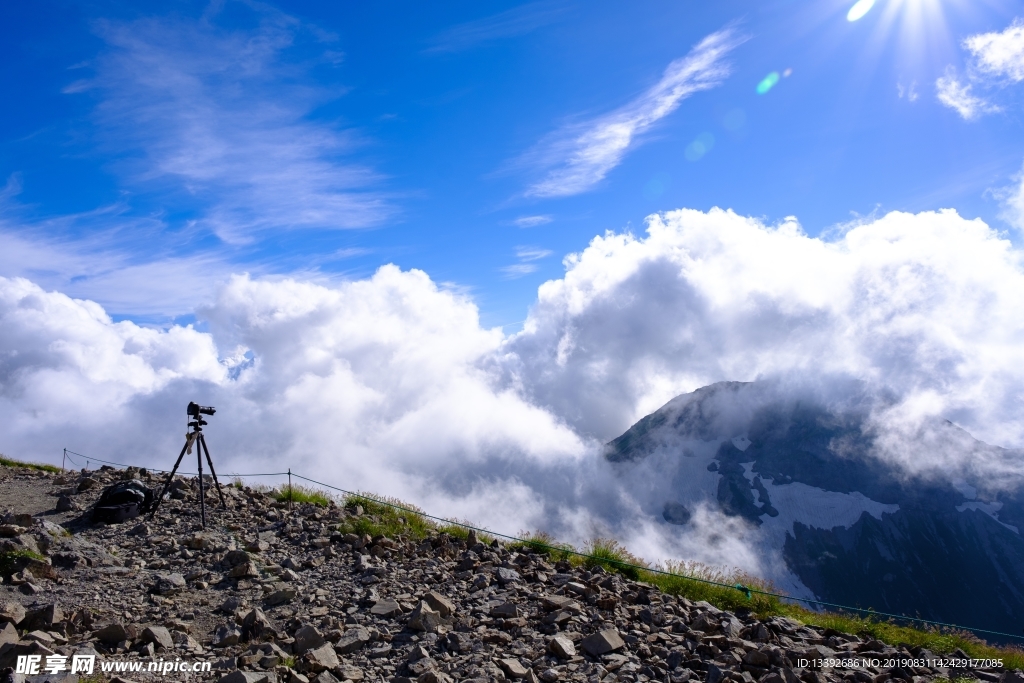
(699, 147)
(768, 82)
(859, 9)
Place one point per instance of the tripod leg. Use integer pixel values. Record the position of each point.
(170, 477)
(202, 487)
(209, 461)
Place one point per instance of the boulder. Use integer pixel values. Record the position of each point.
(440, 603)
(561, 647)
(168, 584)
(507, 610)
(387, 608)
(112, 633)
(352, 640)
(320, 659)
(423, 618)
(307, 638)
(602, 642)
(512, 668)
(11, 612)
(159, 636)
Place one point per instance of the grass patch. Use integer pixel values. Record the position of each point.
(386, 517)
(9, 560)
(301, 494)
(9, 462)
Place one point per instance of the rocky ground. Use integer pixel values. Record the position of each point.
(271, 595)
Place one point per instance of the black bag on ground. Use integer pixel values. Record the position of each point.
(123, 501)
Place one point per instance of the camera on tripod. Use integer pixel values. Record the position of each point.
(195, 410)
(194, 438)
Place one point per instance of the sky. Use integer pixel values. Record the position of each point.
(150, 151)
(444, 253)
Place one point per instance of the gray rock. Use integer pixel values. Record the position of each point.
(714, 674)
(158, 635)
(248, 677)
(236, 557)
(507, 610)
(112, 633)
(561, 647)
(602, 642)
(226, 636)
(65, 504)
(8, 634)
(255, 625)
(320, 659)
(421, 666)
(244, 570)
(506, 576)
(169, 584)
(512, 668)
(440, 603)
(756, 658)
(12, 612)
(279, 597)
(352, 640)
(423, 618)
(307, 638)
(347, 672)
(387, 608)
(325, 677)
(433, 677)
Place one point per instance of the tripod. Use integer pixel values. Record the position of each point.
(195, 437)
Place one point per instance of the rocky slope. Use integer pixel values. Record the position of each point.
(268, 594)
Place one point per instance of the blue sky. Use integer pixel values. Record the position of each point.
(151, 149)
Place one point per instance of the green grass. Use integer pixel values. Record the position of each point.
(9, 560)
(385, 519)
(301, 494)
(9, 462)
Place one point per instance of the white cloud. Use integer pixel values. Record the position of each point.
(508, 24)
(921, 304)
(390, 384)
(532, 253)
(224, 116)
(1000, 54)
(909, 92)
(957, 96)
(519, 269)
(532, 221)
(1012, 200)
(581, 156)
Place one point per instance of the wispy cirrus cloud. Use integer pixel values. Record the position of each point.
(532, 221)
(958, 96)
(527, 257)
(221, 120)
(508, 24)
(580, 156)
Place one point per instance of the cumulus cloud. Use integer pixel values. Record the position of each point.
(1000, 54)
(581, 156)
(920, 304)
(390, 383)
(958, 96)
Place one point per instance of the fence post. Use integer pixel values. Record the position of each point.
(289, 489)
(62, 460)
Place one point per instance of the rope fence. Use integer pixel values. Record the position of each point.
(747, 590)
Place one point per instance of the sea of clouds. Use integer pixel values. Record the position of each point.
(391, 385)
